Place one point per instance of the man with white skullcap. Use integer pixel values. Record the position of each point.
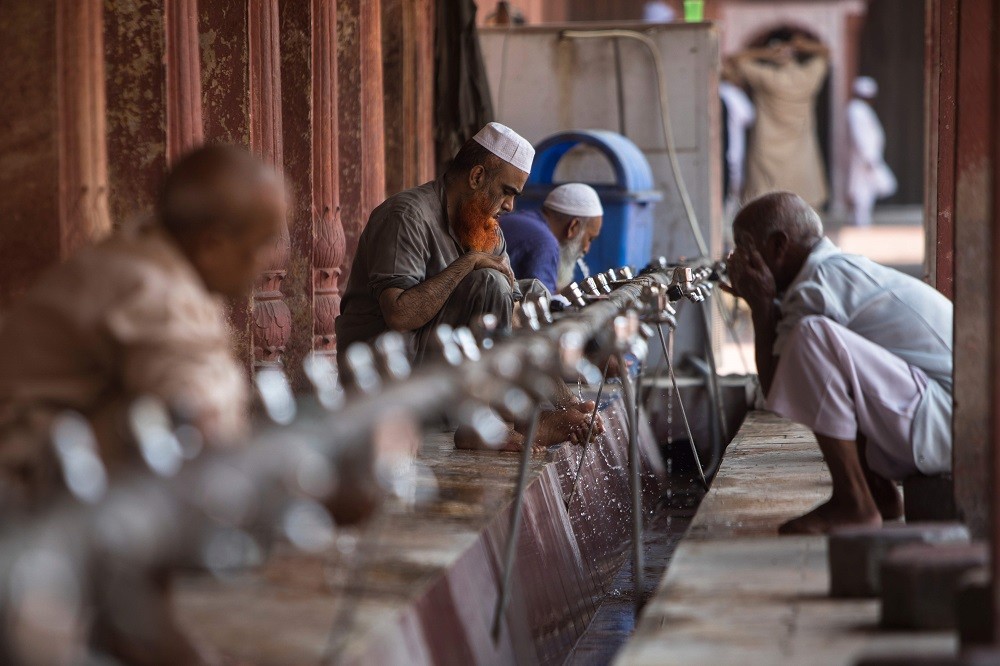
(869, 177)
(435, 254)
(546, 244)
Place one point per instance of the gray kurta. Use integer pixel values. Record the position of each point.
(407, 240)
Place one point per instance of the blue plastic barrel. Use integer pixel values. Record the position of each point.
(627, 232)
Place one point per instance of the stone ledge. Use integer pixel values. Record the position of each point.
(737, 593)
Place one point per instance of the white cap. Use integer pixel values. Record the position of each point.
(506, 144)
(575, 199)
(865, 86)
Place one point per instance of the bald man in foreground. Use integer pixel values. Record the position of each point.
(859, 353)
(139, 314)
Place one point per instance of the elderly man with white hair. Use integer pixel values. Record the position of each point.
(545, 244)
(869, 177)
(859, 353)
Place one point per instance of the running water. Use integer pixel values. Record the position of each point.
(584, 268)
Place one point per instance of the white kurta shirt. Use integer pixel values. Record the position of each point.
(740, 115)
(901, 314)
(870, 177)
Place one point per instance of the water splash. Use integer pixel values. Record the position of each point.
(584, 268)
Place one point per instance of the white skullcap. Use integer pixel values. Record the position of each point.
(575, 199)
(657, 11)
(865, 86)
(506, 144)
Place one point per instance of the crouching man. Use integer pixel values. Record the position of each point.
(435, 254)
(858, 352)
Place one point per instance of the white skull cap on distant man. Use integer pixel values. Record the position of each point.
(865, 86)
(575, 199)
(506, 144)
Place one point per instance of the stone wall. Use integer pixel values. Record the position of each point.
(104, 95)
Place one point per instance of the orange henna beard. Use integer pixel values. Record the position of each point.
(476, 227)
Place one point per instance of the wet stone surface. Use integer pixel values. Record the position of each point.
(418, 585)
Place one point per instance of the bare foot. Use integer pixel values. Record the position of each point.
(827, 516)
(587, 408)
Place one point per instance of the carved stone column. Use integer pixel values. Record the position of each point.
(183, 77)
(53, 159)
(329, 249)
(360, 122)
(271, 318)
(83, 168)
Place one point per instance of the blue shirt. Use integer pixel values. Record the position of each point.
(533, 249)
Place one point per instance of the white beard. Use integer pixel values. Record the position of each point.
(569, 252)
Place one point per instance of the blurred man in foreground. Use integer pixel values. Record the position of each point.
(140, 314)
(545, 244)
(859, 353)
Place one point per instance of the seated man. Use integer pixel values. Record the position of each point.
(546, 244)
(859, 353)
(435, 254)
(139, 314)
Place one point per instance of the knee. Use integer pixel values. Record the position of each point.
(486, 281)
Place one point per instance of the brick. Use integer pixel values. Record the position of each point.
(974, 608)
(856, 553)
(929, 498)
(920, 582)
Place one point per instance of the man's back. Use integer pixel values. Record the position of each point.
(533, 249)
(895, 311)
(125, 318)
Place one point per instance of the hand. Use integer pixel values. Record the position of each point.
(487, 260)
(782, 54)
(751, 278)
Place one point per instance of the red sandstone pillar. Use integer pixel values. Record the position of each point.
(53, 164)
(83, 168)
(992, 137)
(183, 77)
(360, 122)
(271, 319)
(940, 75)
(975, 304)
(328, 231)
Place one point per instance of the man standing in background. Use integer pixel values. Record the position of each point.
(869, 177)
(785, 77)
